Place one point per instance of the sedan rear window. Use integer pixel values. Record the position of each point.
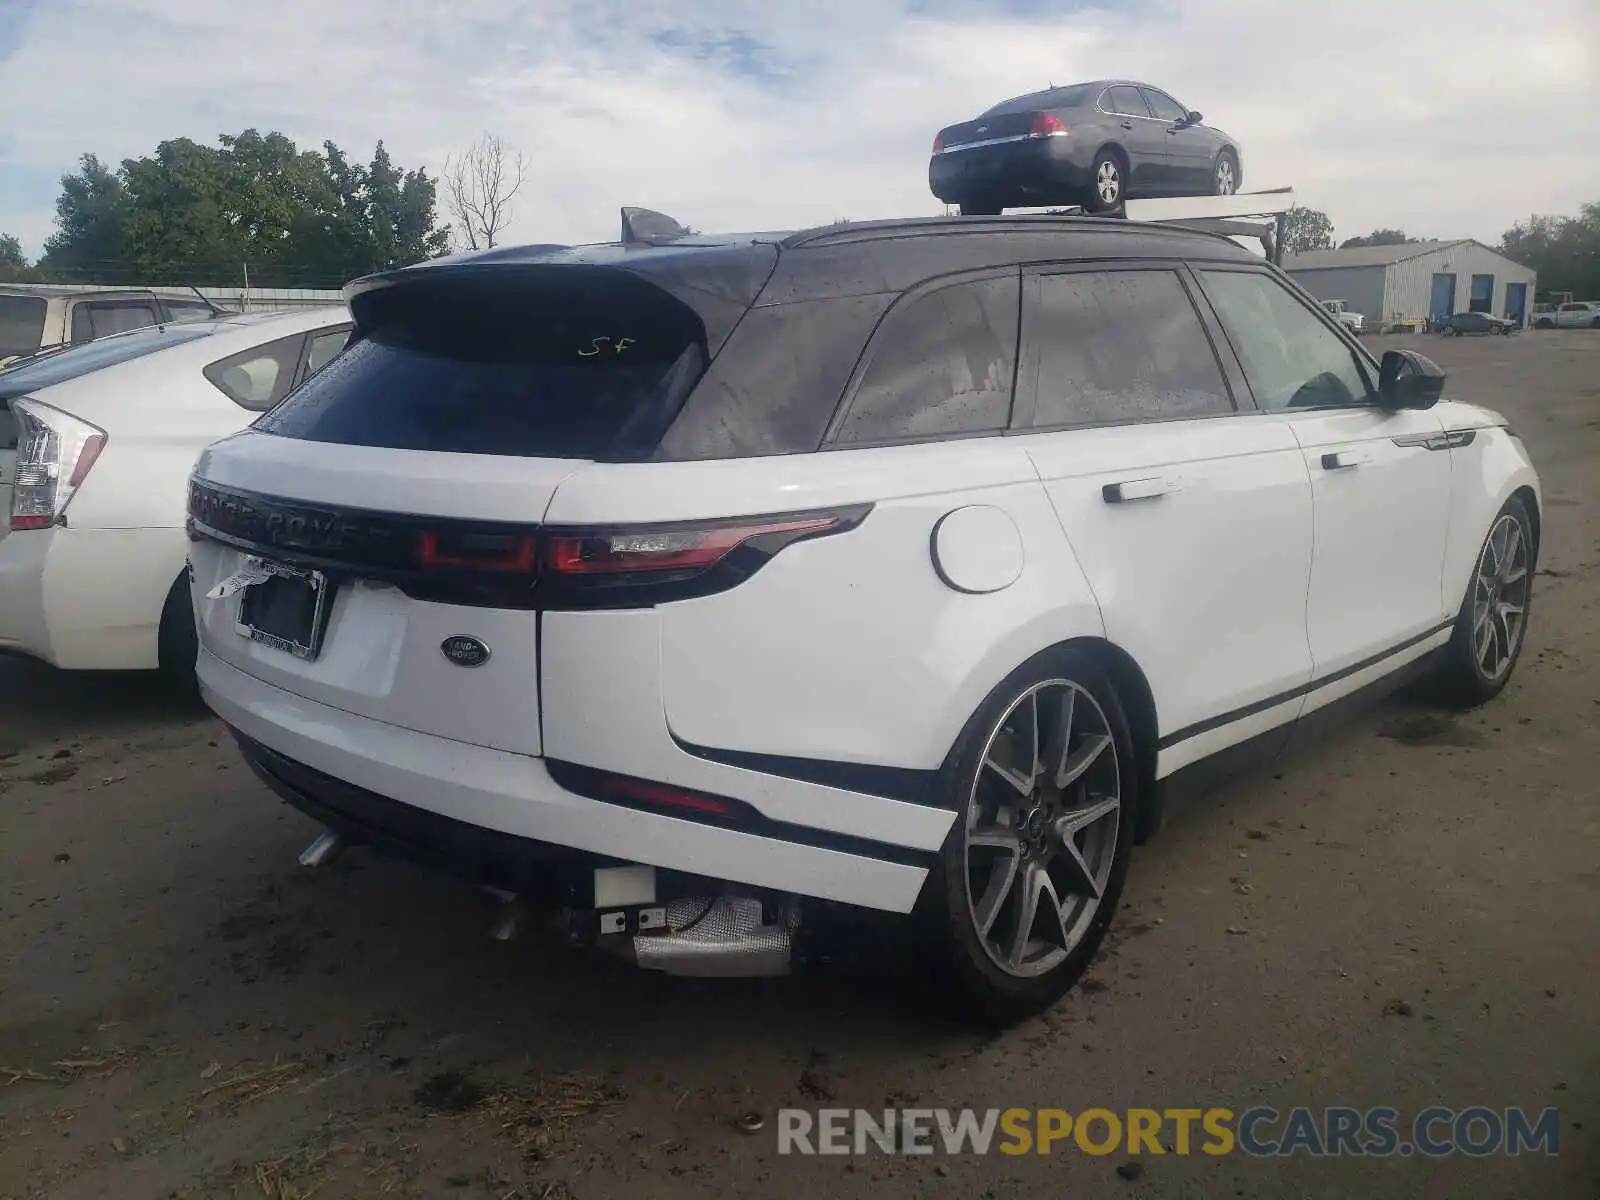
(595, 369)
(21, 324)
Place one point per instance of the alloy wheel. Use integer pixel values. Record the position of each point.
(1041, 828)
(1500, 598)
(1108, 182)
(1227, 182)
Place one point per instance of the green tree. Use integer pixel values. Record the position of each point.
(1379, 237)
(1565, 251)
(14, 266)
(195, 213)
(1307, 229)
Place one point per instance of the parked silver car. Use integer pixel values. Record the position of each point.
(37, 318)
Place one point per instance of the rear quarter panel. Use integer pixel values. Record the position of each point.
(849, 647)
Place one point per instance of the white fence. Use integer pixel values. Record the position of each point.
(238, 298)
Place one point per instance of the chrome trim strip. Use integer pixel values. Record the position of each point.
(1001, 141)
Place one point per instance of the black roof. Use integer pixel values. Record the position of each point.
(850, 259)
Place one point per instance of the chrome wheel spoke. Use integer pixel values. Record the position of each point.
(1070, 825)
(1001, 878)
(1513, 575)
(1028, 889)
(1080, 760)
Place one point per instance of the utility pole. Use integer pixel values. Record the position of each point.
(244, 300)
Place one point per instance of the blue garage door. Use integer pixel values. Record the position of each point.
(1516, 302)
(1482, 294)
(1443, 303)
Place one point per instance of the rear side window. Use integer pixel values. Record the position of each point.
(100, 319)
(323, 347)
(943, 363)
(261, 376)
(1126, 101)
(594, 368)
(21, 324)
(1120, 346)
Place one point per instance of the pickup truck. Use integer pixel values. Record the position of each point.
(1574, 314)
(1353, 321)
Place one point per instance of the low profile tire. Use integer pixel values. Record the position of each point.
(980, 208)
(1044, 784)
(1108, 182)
(1225, 174)
(1493, 623)
(177, 643)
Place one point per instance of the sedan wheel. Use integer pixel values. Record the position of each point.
(1031, 873)
(1226, 180)
(1106, 184)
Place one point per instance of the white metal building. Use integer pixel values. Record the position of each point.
(1417, 279)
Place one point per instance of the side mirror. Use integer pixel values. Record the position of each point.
(1408, 380)
(1193, 118)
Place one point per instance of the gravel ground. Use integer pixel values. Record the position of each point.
(1403, 915)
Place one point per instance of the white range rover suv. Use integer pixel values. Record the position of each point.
(691, 585)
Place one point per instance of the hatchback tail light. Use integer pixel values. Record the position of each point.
(1047, 125)
(54, 454)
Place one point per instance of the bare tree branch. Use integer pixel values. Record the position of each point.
(479, 188)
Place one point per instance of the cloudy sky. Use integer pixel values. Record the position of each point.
(1452, 120)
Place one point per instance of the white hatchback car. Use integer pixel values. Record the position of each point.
(683, 584)
(96, 445)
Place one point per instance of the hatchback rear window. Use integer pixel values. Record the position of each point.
(56, 368)
(21, 324)
(595, 365)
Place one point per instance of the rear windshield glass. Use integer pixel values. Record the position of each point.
(93, 356)
(595, 370)
(21, 324)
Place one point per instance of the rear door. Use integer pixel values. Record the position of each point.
(1190, 517)
(1380, 480)
(1149, 165)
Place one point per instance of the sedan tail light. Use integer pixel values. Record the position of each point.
(1047, 125)
(54, 454)
(938, 142)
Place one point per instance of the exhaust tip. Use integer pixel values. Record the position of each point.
(328, 846)
(720, 937)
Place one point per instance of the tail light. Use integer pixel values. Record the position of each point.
(938, 142)
(54, 454)
(651, 550)
(1047, 125)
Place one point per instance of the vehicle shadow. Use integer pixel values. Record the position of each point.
(38, 703)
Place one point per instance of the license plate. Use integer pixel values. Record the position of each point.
(288, 610)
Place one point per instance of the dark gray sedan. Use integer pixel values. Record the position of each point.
(1094, 144)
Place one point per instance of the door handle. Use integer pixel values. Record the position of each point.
(1340, 460)
(1136, 489)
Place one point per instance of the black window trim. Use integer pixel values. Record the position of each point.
(875, 342)
(1368, 365)
(1026, 400)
